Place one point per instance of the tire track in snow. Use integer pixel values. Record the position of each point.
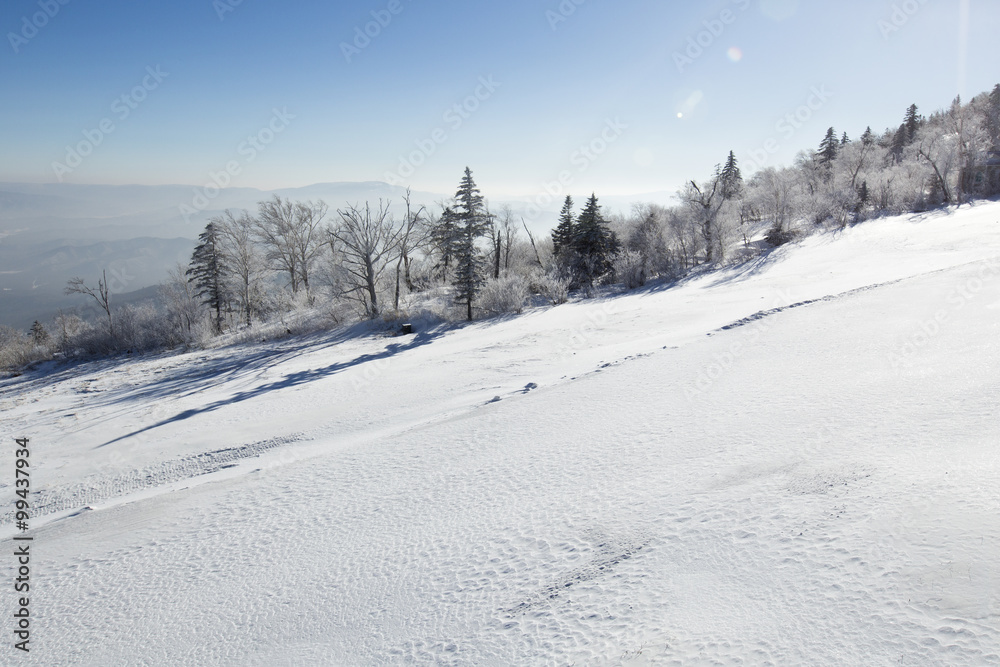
(103, 488)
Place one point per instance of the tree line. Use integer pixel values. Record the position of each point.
(250, 270)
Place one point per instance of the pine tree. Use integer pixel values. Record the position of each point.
(444, 237)
(864, 196)
(472, 222)
(899, 142)
(912, 123)
(731, 178)
(594, 244)
(828, 148)
(39, 336)
(844, 140)
(207, 271)
(562, 235)
(993, 117)
(868, 138)
(468, 269)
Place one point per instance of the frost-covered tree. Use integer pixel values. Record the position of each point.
(208, 273)
(940, 149)
(502, 232)
(184, 308)
(705, 202)
(562, 235)
(730, 178)
(911, 121)
(291, 233)
(244, 262)
(445, 239)
(993, 117)
(415, 234)
(828, 148)
(471, 222)
(594, 244)
(646, 240)
(101, 294)
(39, 336)
(772, 192)
(369, 241)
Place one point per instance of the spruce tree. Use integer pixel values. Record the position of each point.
(39, 336)
(899, 142)
(593, 243)
(471, 223)
(444, 237)
(868, 138)
(562, 235)
(731, 178)
(864, 196)
(993, 117)
(207, 272)
(828, 148)
(844, 140)
(912, 123)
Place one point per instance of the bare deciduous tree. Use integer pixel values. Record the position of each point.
(243, 260)
(503, 233)
(291, 232)
(415, 234)
(705, 201)
(102, 295)
(183, 305)
(368, 241)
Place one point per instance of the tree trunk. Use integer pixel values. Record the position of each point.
(497, 249)
(372, 293)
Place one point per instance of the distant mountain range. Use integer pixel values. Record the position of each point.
(50, 233)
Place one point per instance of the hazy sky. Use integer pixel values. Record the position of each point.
(271, 91)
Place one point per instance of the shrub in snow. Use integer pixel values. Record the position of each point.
(504, 295)
(17, 350)
(630, 269)
(554, 288)
(142, 328)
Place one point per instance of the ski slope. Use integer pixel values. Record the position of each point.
(793, 461)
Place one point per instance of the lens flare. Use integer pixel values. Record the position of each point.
(735, 54)
(688, 106)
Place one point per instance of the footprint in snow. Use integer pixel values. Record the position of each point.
(528, 387)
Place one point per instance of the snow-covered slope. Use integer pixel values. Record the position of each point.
(791, 462)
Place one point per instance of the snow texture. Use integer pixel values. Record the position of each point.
(789, 462)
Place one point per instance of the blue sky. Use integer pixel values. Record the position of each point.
(559, 75)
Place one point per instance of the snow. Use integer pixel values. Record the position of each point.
(790, 462)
